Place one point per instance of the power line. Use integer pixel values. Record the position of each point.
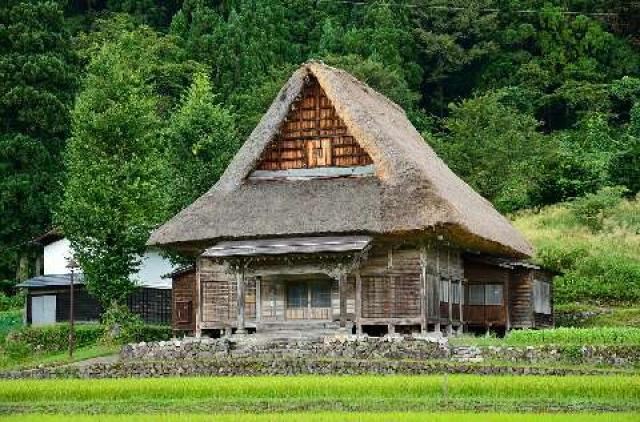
(483, 10)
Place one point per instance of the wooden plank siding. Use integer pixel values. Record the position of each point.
(313, 135)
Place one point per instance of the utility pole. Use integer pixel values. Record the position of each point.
(72, 265)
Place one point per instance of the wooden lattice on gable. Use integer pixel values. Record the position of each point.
(313, 135)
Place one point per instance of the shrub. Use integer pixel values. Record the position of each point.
(122, 326)
(592, 209)
(8, 303)
(9, 320)
(53, 338)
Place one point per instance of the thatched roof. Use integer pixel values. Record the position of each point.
(413, 191)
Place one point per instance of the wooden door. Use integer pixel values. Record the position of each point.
(308, 300)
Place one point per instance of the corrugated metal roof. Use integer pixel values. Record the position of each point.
(293, 245)
(58, 280)
(52, 280)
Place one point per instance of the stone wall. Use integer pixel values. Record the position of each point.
(353, 347)
(344, 356)
(285, 366)
(331, 347)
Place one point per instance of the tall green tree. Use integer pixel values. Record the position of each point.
(116, 189)
(202, 138)
(37, 84)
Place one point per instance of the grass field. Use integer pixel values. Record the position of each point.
(323, 393)
(335, 416)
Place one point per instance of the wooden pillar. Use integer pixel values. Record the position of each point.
(198, 299)
(437, 289)
(450, 289)
(424, 289)
(258, 299)
(342, 287)
(507, 302)
(358, 303)
(461, 305)
(240, 289)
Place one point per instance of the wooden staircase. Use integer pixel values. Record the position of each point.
(298, 330)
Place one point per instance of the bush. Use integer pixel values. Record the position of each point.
(52, 338)
(8, 303)
(9, 320)
(592, 209)
(121, 326)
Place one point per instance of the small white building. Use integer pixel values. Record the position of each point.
(48, 293)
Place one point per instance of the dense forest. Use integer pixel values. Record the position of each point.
(115, 114)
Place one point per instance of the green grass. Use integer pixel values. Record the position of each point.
(355, 393)
(334, 416)
(563, 336)
(601, 266)
(57, 358)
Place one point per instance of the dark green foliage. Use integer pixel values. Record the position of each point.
(529, 108)
(37, 83)
(120, 326)
(116, 192)
(592, 209)
(9, 321)
(53, 338)
(202, 138)
(13, 302)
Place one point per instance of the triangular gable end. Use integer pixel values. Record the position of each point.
(313, 140)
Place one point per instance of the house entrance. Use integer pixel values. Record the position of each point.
(308, 299)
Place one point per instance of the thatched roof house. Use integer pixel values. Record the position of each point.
(413, 189)
(334, 173)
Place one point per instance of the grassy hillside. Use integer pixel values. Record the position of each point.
(595, 243)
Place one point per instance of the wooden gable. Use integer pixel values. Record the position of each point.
(312, 135)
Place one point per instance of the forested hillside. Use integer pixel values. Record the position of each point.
(117, 113)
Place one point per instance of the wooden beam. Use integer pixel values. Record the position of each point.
(437, 288)
(198, 299)
(342, 287)
(358, 302)
(506, 299)
(258, 299)
(313, 173)
(240, 291)
(424, 289)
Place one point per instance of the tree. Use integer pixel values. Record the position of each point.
(116, 189)
(37, 85)
(202, 139)
(493, 147)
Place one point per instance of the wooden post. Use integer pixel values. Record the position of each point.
(240, 289)
(450, 288)
(72, 332)
(258, 298)
(358, 303)
(424, 289)
(507, 304)
(461, 305)
(198, 300)
(437, 289)
(342, 287)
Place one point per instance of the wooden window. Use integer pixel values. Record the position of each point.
(444, 290)
(493, 294)
(297, 295)
(476, 294)
(455, 292)
(486, 294)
